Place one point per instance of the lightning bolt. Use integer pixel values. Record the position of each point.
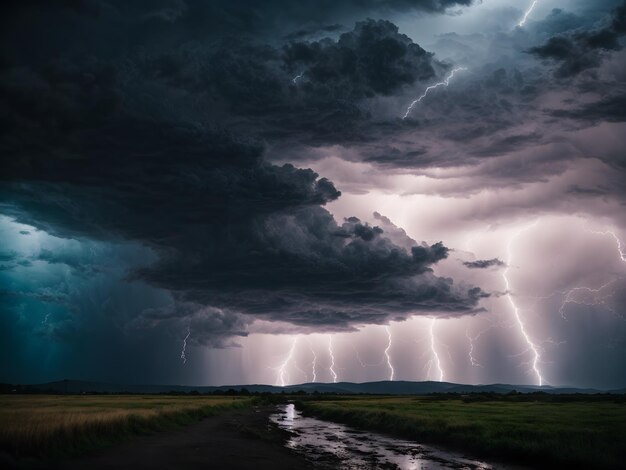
(314, 362)
(362, 362)
(573, 296)
(45, 320)
(527, 13)
(584, 295)
(391, 371)
(531, 345)
(182, 353)
(445, 82)
(297, 77)
(331, 368)
(471, 340)
(595, 300)
(474, 338)
(282, 376)
(434, 350)
(618, 242)
(358, 357)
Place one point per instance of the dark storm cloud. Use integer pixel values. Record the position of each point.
(104, 26)
(584, 49)
(591, 192)
(609, 109)
(211, 327)
(257, 85)
(303, 268)
(231, 230)
(310, 32)
(374, 59)
(558, 21)
(245, 84)
(574, 54)
(491, 112)
(9, 260)
(157, 144)
(43, 295)
(79, 260)
(504, 145)
(494, 116)
(8, 256)
(479, 118)
(484, 263)
(393, 157)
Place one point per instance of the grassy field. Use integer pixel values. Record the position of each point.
(56, 425)
(581, 434)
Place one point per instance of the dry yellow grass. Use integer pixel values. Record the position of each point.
(53, 424)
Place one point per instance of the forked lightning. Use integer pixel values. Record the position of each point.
(445, 82)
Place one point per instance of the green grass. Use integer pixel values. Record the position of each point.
(57, 426)
(582, 434)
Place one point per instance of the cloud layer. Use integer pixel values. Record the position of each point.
(117, 149)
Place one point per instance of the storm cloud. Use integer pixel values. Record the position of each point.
(584, 49)
(484, 263)
(231, 230)
(162, 147)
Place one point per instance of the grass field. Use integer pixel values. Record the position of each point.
(580, 434)
(56, 425)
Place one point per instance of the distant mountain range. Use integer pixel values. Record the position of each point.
(381, 388)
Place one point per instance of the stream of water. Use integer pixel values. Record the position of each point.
(337, 446)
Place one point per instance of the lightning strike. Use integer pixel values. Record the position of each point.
(297, 77)
(331, 368)
(362, 362)
(473, 339)
(391, 371)
(585, 295)
(593, 297)
(618, 242)
(434, 350)
(282, 377)
(528, 11)
(470, 354)
(531, 345)
(358, 357)
(314, 362)
(45, 320)
(182, 353)
(445, 82)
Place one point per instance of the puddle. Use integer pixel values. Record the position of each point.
(339, 446)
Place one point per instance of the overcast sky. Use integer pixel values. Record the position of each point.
(219, 192)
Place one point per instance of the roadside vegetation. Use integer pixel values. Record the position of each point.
(541, 431)
(62, 425)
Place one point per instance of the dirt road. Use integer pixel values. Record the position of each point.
(241, 439)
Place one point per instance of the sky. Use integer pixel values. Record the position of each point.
(229, 192)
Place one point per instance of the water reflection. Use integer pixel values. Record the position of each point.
(334, 445)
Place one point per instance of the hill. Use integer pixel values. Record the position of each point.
(381, 388)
